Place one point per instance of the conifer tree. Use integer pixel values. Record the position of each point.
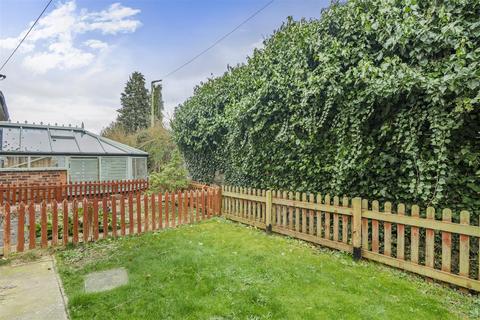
(135, 111)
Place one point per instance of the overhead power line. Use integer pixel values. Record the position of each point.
(25, 36)
(220, 39)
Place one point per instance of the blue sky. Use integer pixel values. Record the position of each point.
(75, 63)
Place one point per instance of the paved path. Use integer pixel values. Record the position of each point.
(31, 291)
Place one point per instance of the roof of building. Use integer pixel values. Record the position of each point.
(32, 139)
(3, 108)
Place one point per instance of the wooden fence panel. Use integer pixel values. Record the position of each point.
(336, 203)
(6, 229)
(192, 206)
(65, 222)
(153, 210)
(345, 220)
(145, 212)
(43, 224)
(331, 224)
(375, 229)
(173, 215)
(387, 231)
(179, 208)
(202, 201)
(464, 266)
(114, 216)
(123, 228)
(319, 217)
(95, 219)
(31, 226)
(160, 209)
(284, 213)
(262, 207)
(15, 194)
(139, 213)
(75, 222)
(341, 225)
(401, 234)
(105, 217)
(446, 243)
(241, 204)
(185, 207)
(297, 212)
(311, 222)
(86, 220)
(21, 228)
(131, 221)
(167, 200)
(415, 236)
(276, 208)
(54, 206)
(365, 227)
(430, 241)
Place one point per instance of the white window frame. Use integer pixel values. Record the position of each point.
(30, 168)
(131, 167)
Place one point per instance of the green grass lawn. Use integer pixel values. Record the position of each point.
(221, 270)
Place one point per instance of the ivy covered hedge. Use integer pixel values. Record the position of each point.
(376, 98)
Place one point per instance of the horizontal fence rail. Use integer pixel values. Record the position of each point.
(412, 240)
(50, 224)
(15, 194)
(199, 185)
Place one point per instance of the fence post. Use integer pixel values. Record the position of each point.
(357, 228)
(6, 229)
(268, 211)
(219, 201)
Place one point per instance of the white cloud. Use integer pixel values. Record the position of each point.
(90, 95)
(64, 40)
(51, 44)
(111, 21)
(115, 12)
(60, 56)
(96, 44)
(12, 42)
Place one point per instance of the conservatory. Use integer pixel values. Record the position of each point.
(37, 153)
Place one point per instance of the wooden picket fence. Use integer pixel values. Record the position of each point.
(411, 240)
(15, 194)
(91, 219)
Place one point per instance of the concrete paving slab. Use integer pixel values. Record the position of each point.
(31, 291)
(105, 280)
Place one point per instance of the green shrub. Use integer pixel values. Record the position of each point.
(157, 141)
(377, 98)
(172, 177)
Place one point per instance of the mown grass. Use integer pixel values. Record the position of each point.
(221, 270)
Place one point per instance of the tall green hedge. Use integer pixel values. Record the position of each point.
(376, 98)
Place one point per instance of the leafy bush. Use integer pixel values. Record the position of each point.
(157, 141)
(172, 177)
(377, 98)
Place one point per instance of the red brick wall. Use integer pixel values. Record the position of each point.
(33, 177)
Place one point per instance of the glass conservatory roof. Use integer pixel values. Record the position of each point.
(19, 138)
